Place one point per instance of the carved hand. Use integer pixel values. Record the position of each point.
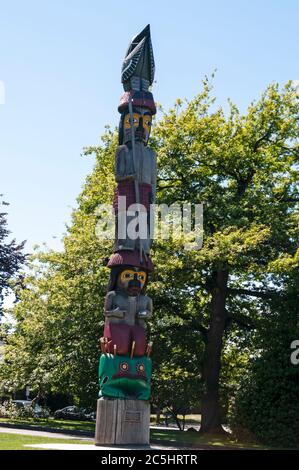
(115, 313)
(144, 314)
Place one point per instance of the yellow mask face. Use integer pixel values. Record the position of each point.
(128, 275)
(147, 122)
(127, 120)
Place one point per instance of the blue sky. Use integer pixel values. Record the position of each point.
(60, 63)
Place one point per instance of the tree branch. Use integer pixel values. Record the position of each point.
(243, 322)
(253, 293)
(262, 138)
(196, 327)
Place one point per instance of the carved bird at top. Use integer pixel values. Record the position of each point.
(138, 67)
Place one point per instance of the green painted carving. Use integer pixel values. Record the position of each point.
(123, 377)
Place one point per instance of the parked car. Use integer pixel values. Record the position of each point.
(71, 412)
(37, 410)
(90, 415)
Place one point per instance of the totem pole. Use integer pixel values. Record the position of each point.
(123, 409)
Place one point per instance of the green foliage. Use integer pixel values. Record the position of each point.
(176, 383)
(266, 404)
(11, 257)
(10, 410)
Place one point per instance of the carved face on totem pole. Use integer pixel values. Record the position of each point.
(130, 280)
(123, 377)
(142, 121)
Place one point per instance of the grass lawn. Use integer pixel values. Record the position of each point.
(194, 438)
(169, 435)
(58, 424)
(9, 441)
(82, 425)
(18, 442)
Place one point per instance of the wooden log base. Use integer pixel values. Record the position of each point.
(122, 422)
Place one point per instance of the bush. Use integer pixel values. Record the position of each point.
(57, 401)
(266, 405)
(9, 410)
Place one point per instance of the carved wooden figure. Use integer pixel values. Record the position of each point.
(125, 364)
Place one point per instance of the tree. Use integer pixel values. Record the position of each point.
(11, 257)
(244, 169)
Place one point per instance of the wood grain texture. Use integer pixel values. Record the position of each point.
(121, 422)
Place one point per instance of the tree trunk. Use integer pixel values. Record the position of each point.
(211, 415)
(158, 415)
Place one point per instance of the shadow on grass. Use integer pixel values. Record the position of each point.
(195, 439)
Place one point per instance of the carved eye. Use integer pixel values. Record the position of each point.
(124, 366)
(140, 368)
(127, 275)
(141, 276)
(147, 122)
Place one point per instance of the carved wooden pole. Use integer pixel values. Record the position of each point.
(123, 412)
